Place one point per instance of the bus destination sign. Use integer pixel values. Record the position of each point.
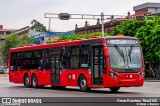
(123, 41)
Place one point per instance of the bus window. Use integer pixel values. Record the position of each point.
(84, 57)
(75, 57)
(36, 54)
(44, 61)
(28, 55)
(13, 61)
(19, 55)
(65, 59)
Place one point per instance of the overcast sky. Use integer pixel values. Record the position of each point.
(16, 14)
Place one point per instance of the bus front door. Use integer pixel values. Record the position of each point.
(97, 64)
(55, 69)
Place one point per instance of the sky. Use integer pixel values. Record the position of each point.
(16, 14)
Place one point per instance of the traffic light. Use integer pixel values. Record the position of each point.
(140, 18)
(64, 16)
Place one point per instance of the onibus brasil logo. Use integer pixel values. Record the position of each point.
(18, 101)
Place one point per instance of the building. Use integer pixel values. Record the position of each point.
(22, 31)
(4, 32)
(98, 27)
(147, 9)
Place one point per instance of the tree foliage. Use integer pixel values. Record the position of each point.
(37, 26)
(77, 36)
(25, 40)
(127, 28)
(10, 42)
(149, 36)
(13, 41)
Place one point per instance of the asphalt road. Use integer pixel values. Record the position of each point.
(7, 89)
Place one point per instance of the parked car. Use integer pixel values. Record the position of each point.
(1, 69)
(6, 70)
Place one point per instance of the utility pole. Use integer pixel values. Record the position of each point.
(102, 22)
(49, 25)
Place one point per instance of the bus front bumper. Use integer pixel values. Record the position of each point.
(124, 82)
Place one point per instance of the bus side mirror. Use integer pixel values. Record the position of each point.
(106, 52)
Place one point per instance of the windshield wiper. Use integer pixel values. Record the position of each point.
(120, 52)
(130, 52)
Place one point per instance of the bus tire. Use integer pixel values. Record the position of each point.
(114, 89)
(34, 81)
(27, 81)
(83, 84)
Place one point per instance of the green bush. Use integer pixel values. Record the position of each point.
(77, 36)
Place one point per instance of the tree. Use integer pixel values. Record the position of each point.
(149, 36)
(26, 40)
(127, 28)
(13, 41)
(37, 26)
(10, 42)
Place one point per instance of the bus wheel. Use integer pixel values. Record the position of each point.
(34, 81)
(114, 89)
(26, 81)
(83, 84)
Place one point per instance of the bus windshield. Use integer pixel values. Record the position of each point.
(125, 56)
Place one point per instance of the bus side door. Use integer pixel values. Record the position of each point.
(55, 69)
(97, 64)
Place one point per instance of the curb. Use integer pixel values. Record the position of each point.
(151, 80)
(3, 75)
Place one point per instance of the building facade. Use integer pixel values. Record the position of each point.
(98, 27)
(147, 9)
(22, 31)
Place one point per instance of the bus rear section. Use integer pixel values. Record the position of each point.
(99, 62)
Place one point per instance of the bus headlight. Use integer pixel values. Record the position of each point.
(141, 75)
(113, 75)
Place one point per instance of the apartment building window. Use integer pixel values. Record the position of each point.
(156, 10)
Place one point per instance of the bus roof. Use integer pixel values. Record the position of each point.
(65, 43)
(121, 37)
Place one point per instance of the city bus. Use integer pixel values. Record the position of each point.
(98, 62)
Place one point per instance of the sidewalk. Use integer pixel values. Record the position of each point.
(151, 80)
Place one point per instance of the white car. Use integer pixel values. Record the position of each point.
(5, 70)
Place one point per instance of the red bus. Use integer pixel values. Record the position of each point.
(98, 62)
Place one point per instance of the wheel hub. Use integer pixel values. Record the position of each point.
(27, 81)
(34, 81)
(83, 83)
